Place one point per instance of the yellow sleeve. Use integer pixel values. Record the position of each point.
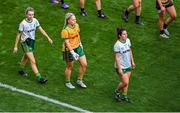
(64, 34)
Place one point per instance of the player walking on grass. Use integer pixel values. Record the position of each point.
(73, 50)
(124, 63)
(27, 34)
(136, 6)
(164, 6)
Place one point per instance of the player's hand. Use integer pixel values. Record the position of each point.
(120, 72)
(133, 65)
(163, 9)
(15, 50)
(74, 54)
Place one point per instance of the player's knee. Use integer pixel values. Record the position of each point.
(69, 67)
(84, 65)
(32, 62)
(136, 6)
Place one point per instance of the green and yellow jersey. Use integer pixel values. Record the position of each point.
(72, 35)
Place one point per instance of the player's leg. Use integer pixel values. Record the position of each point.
(137, 7)
(120, 87)
(98, 4)
(172, 11)
(67, 73)
(82, 3)
(67, 56)
(83, 65)
(22, 65)
(99, 9)
(162, 15)
(82, 69)
(32, 60)
(125, 89)
(68, 70)
(27, 46)
(126, 12)
(126, 78)
(24, 59)
(118, 91)
(82, 8)
(64, 5)
(125, 81)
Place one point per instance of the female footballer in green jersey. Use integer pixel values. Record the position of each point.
(27, 35)
(124, 63)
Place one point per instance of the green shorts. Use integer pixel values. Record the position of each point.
(67, 56)
(28, 45)
(125, 70)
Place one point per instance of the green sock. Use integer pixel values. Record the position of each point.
(124, 94)
(38, 76)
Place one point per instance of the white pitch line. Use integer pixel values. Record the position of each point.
(12, 88)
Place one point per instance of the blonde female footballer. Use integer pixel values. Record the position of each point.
(26, 36)
(73, 50)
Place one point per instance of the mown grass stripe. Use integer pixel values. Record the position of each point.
(12, 88)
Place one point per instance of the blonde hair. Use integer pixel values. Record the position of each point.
(29, 9)
(67, 17)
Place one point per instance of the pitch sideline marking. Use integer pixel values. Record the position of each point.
(12, 88)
